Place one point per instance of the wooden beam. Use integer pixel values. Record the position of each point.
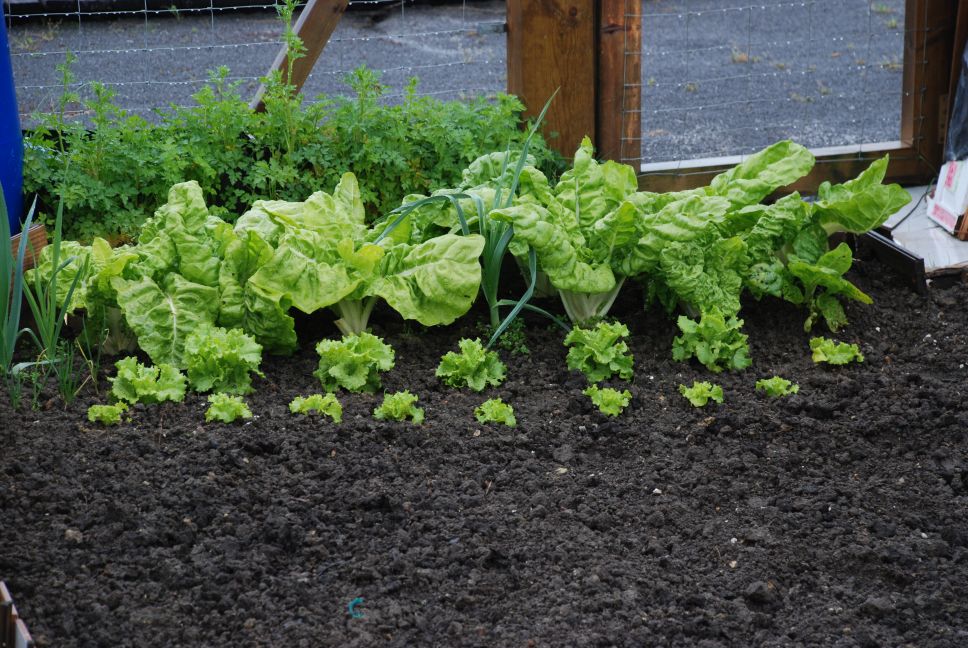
(552, 45)
(618, 114)
(314, 27)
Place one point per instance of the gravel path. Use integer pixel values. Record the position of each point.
(719, 77)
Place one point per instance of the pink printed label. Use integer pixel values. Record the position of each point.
(949, 179)
(943, 217)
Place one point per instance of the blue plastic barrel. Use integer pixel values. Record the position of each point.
(11, 140)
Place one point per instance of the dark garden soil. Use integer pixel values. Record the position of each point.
(837, 517)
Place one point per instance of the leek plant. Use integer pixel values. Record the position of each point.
(497, 237)
(50, 312)
(11, 290)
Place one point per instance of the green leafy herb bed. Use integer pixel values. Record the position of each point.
(825, 516)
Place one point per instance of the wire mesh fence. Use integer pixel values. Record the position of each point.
(723, 78)
(154, 57)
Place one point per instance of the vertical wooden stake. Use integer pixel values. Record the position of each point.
(552, 44)
(314, 27)
(619, 110)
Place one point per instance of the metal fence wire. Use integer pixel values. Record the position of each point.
(722, 78)
(153, 57)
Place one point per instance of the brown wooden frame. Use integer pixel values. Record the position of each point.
(917, 154)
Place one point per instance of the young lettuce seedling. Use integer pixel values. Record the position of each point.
(495, 411)
(107, 414)
(701, 393)
(221, 359)
(474, 367)
(599, 353)
(227, 409)
(399, 407)
(353, 363)
(835, 353)
(137, 383)
(715, 340)
(776, 387)
(610, 402)
(318, 404)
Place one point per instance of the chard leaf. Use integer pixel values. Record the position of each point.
(434, 282)
(163, 316)
(590, 189)
(706, 275)
(762, 173)
(826, 275)
(861, 204)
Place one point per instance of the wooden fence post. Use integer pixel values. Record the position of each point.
(552, 44)
(619, 110)
(314, 27)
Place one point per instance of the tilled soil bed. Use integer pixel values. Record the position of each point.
(836, 517)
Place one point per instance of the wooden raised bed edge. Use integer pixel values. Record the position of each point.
(36, 241)
(13, 632)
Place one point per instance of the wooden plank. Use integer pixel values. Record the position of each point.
(618, 114)
(928, 43)
(314, 27)
(551, 45)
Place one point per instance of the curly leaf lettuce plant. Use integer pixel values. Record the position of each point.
(495, 410)
(715, 340)
(326, 404)
(221, 360)
(776, 387)
(107, 414)
(701, 393)
(226, 409)
(474, 367)
(609, 402)
(353, 363)
(835, 353)
(399, 407)
(137, 383)
(600, 353)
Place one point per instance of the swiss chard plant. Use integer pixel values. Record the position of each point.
(354, 363)
(495, 410)
(715, 340)
(474, 367)
(600, 352)
(399, 406)
(138, 383)
(609, 402)
(226, 409)
(325, 404)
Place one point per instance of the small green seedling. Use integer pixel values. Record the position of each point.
(835, 353)
(715, 340)
(318, 404)
(474, 367)
(353, 363)
(399, 407)
(777, 387)
(227, 409)
(610, 402)
(107, 414)
(495, 411)
(137, 383)
(701, 393)
(599, 353)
